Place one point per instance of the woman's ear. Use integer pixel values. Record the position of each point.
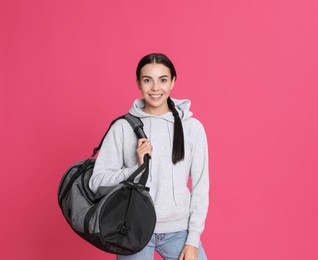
(172, 83)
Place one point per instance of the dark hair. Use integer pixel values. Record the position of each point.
(178, 137)
(158, 58)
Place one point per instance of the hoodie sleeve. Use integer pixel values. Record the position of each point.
(110, 167)
(200, 187)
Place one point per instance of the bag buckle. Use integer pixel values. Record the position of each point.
(124, 230)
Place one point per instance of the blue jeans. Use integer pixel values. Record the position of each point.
(168, 245)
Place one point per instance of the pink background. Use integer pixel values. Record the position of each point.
(249, 67)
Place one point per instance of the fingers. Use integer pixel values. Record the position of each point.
(144, 147)
(189, 253)
(181, 256)
(141, 141)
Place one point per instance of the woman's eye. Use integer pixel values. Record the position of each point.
(146, 80)
(163, 80)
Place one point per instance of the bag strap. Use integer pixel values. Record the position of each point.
(137, 126)
(135, 123)
(96, 149)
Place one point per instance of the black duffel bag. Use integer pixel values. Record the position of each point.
(117, 219)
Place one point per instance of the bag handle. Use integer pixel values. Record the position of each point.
(135, 123)
(137, 126)
(144, 167)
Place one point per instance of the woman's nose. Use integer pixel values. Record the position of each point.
(155, 86)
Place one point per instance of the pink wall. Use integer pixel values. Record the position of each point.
(250, 69)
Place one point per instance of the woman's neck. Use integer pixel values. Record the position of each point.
(156, 111)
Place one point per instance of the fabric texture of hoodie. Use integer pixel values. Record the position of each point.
(176, 207)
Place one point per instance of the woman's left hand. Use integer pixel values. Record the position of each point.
(189, 253)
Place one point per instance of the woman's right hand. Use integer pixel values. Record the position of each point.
(144, 147)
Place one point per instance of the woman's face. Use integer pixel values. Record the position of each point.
(155, 84)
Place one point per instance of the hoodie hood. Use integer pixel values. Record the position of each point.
(182, 106)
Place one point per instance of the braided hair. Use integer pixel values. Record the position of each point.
(178, 137)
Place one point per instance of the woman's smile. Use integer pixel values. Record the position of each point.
(155, 96)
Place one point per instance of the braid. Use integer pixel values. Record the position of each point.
(178, 138)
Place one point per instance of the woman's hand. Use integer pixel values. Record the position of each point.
(144, 147)
(189, 253)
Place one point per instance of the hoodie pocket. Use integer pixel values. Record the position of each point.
(183, 198)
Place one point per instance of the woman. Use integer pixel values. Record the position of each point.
(178, 147)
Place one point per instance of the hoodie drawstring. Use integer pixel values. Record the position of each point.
(172, 168)
(149, 138)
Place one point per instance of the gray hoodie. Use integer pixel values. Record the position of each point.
(176, 207)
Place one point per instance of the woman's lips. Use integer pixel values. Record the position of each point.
(155, 96)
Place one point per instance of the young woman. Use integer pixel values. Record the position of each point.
(178, 147)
